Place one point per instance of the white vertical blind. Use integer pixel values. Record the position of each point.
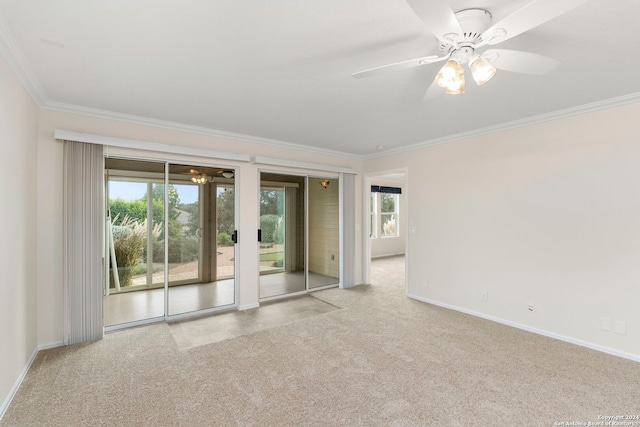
(348, 206)
(83, 241)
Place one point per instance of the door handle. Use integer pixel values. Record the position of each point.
(234, 236)
(259, 235)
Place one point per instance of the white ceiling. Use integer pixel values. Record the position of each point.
(280, 71)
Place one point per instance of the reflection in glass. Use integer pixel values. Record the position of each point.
(282, 219)
(324, 232)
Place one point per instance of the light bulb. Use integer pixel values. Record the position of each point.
(456, 85)
(447, 73)
(482, 70)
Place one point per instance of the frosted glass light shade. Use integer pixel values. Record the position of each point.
(447, 73)
(482, 71)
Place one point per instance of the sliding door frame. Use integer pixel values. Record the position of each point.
(214, 163)
(307, 175)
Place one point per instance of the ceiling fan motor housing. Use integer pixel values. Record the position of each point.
(473, 22)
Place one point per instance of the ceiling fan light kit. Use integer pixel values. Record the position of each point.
(201, 179)
(482, 70)
(451, 77)
(462, 34)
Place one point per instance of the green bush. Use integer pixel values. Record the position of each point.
(184, 249)
(129, 241)
(272, 228)
(223, 239)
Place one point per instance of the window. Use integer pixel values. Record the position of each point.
(384, 211)
(389, 215)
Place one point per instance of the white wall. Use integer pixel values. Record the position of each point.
(18, 260)
(386, 246)
(50, 319)
(547, 214)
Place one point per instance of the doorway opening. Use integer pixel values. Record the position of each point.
(386, 245)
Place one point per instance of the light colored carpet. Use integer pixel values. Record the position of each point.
(382, 359)
(208, 330)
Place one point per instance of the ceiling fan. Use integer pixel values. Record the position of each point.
(199, 177)
(463, 34)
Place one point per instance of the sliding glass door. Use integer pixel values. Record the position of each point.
(282, 234)
(195, 245)
(324, 232)
(169, 239)
(299, 234)
(135, 236)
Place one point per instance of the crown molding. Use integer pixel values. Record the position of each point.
(164, 124)
(533, 120)
(20, 66)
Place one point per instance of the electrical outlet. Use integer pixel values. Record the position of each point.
(530, 306)
(605, 324)
(484, 297)
(620, 327)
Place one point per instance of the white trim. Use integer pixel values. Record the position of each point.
(64, 135)
(248, 306)
(592, 346)
(18, 382)
(50, 345)
(181, 127)
(387, 255)
(20, 66)
(527, 121)
(303, 165)
(128, 325)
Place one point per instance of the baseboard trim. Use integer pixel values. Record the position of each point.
(50, 345)
(571, 340)
(248, 306)
(18, 383)
(387, 255)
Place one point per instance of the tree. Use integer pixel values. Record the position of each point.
(271, 202)
(193, 223)
(226, 210)
(134, 209)
(388, 203)
(157, 195)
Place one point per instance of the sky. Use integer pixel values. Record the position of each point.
(136, 190)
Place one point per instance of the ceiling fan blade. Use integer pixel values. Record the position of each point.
(433, 91)
(437, 17)
(520, 62)
(416, 62)
(531, 15)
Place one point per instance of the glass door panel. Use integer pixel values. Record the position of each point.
(282, 234)
(184, 230)
(201, 200)
(225, 227)
(195, 227)
(134, 230)
(324, 232)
